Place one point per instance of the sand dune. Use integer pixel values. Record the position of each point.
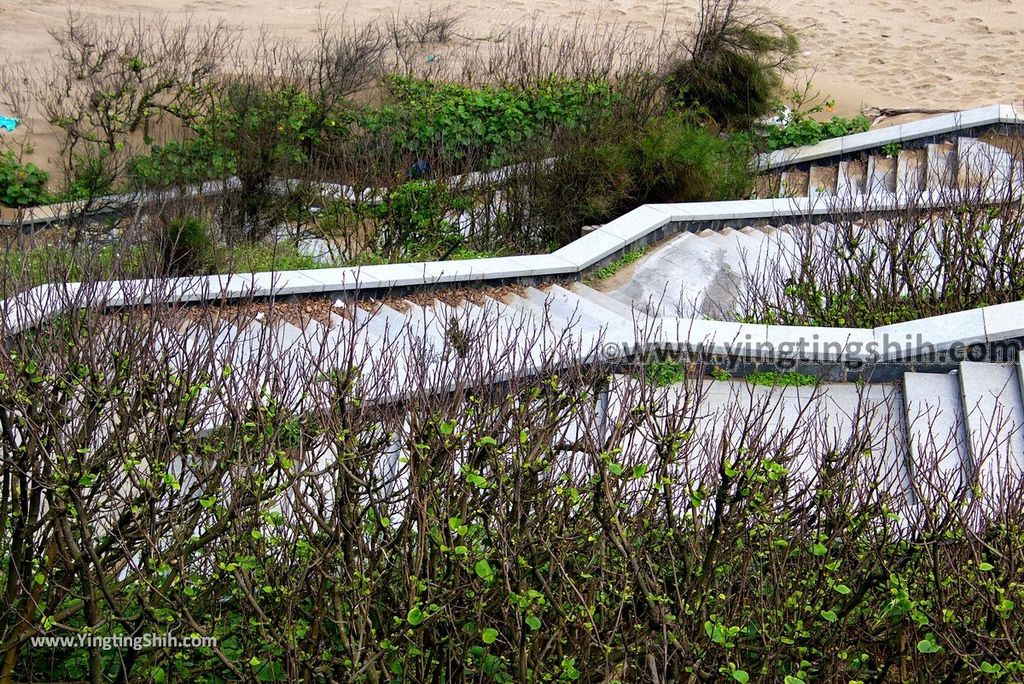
(885, 53)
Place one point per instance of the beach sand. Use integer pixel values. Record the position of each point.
(923, 54)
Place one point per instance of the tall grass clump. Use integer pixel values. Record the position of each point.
(733, 64)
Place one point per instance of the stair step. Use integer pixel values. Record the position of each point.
(793, 184)
(591, 317)
(911, 172)
(621, 309)
(994, 414)
(941, 166)
(881, 175)
(981, 164)
(379, 321)
(936, 436)
(822, 181)
(850, 179)
(767, 186)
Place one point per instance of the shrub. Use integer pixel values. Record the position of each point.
(186, 245)
(607, 173)
(803, 130)
(680, 162)
(863, 271)
(591, 180)
(415, 219)
(734, 63)
(797, 126)
(486, 122)
(21, 185)
(181, 162)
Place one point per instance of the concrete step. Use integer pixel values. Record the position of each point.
(936, 436)
(881, 175)
(982, 165)
(994, 414)
(793, 184)
(619, 308)
(850, 179)
(942, 172)
(911, 172)
(822, 181)
(767, 186)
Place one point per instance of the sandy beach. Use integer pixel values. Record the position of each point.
(927, 54)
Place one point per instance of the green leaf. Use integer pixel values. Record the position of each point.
(741, 676)
(819, 549)
(928, 645)
(483, 569)
(829, 615)
(842, 589)
(489, 635)
(533, 622)
(986, 567)
(415, 616)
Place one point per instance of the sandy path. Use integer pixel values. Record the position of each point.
(917, 53)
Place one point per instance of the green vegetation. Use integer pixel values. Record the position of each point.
(486, 123)
(720, 374)
(191, 254)
(416, 219)
(892, 150)
(665, 373)
(734, 65)
(21, 185)
(960, 257)
(782, 379)
(803, 130)
(615, 169)
(630, 257)
(704, 551)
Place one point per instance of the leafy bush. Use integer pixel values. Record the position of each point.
(21, 185)
(665, 373)
(181, 162)
(688, 540)
(485, 122)
(611, 171)
(415, 219)
(804, 130)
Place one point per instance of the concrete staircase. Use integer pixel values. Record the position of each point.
(703, 275)
(964, 164)
(933, 438)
